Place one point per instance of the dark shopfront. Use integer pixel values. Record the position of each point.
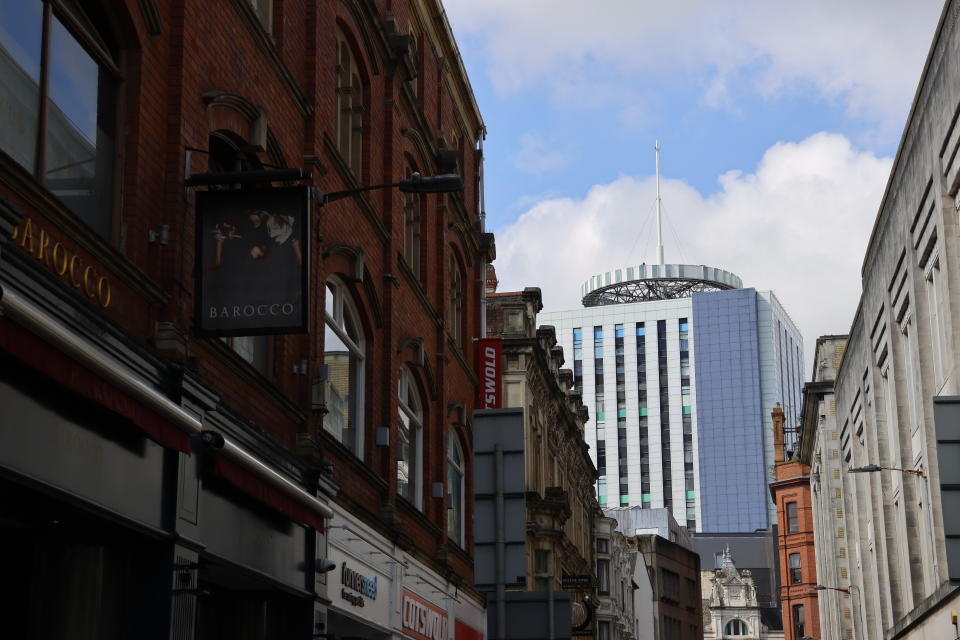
(116, 520)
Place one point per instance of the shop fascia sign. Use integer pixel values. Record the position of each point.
(355, 581)
(63, 261)
(489, 372)
(422, 620)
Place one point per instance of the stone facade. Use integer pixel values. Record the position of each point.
(820, 448)
(561, 502)
(730, 607)
(902, 353)
(624, 603)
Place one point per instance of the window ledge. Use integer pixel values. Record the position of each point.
(269, 47)
(411, 509)
(459, 551)
(253, 377)
(418, 290)
(348, 457)
(458, 355)
(350, 182)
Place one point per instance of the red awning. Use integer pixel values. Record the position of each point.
(255, 486)
(48, 360)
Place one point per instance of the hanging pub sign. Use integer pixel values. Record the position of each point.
(252, 261)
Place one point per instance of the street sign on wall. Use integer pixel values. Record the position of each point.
(252, 261)
(490, 373)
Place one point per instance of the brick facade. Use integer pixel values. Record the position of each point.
(791, 495)
(187, 72)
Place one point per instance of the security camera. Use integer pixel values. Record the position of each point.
(325, 565)
(212, 439)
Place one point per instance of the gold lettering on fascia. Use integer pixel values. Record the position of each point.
(59, 259)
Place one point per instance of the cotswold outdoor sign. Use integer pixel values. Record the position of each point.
(252, 261)
(422, 620)
(55, 256)
(364, 586)
(489, 372)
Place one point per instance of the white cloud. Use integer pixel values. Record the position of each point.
(798, 225)
(865, 53)
(536, 156)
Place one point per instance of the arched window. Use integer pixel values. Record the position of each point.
(455, 311)
(736, 627)
(455, 491)
(409, 439)
(227, 153)
(412, 216)
(59, 116)
(344, 353)
(349, 107)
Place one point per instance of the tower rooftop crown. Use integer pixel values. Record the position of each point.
(655, 282)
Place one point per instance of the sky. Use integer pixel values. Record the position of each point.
(778, 123)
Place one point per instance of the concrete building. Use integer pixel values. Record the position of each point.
(680, 367)
(624, 598)
(795, 542)
(820, 448)
(160, 484)
(560, 476)
(897, 380)
(674, 573)
(636, 521)
(730, 606)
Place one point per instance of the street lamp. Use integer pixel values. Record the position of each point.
(443, 183)
(821, 587)
(870, 468)
(416, 183)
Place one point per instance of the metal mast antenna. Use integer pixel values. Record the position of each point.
(656, 148)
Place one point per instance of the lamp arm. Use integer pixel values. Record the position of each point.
(325, 198)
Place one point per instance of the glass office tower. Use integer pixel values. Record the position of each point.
(680, 367)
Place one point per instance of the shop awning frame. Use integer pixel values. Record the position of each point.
(30, 317)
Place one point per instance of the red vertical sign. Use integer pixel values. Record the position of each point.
(490, 373)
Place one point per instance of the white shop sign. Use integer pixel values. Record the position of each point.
(359, 588)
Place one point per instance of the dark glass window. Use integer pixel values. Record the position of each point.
(603, 576)
(58, 111)
(793, 518)
(798, 625)
(796, 575)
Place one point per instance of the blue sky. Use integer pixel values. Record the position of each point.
(778, 123)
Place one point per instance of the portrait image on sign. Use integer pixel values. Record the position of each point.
(252, 254)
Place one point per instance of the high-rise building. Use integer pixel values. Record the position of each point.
(679, 366)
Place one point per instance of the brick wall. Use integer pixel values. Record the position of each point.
(168, 78)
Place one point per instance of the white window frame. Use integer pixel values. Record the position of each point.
(456, 488)
(456, 302)
(350, 107)
(412, 226)
(342, 306)
(410, 436)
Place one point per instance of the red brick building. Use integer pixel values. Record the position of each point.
(798, 562)
(208, 486)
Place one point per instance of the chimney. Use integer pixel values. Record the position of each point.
(777, 415)
(491, 280)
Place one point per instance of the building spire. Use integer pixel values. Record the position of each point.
(656, 147)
